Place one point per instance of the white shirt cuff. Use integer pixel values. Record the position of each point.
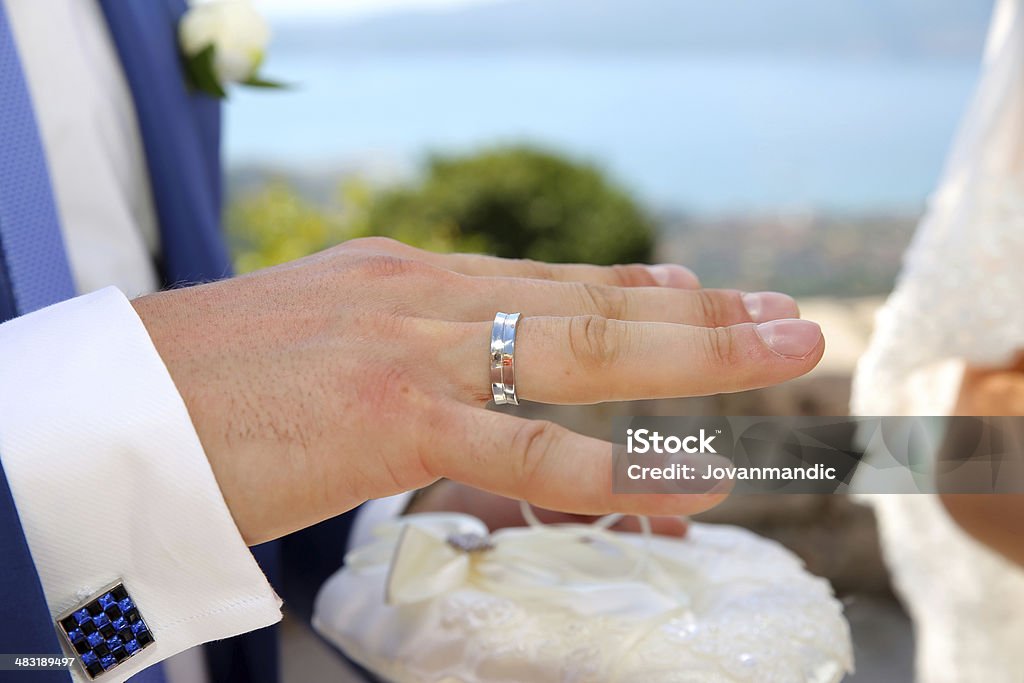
(111, 481)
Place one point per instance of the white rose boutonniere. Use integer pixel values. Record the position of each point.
(224, 41)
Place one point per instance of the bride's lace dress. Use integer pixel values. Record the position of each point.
(958, 300)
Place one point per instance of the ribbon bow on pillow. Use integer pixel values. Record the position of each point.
(584, 568)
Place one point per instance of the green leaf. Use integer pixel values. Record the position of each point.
(260, 82)
(201, 74)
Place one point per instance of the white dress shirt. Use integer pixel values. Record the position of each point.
(105, 467)
(86, 118)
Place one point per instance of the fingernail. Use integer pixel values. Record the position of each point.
(790, 338)
(765, 306)
(672, 275)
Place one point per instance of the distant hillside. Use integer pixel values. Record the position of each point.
(812, 255)
(838, 255)
(863, 28)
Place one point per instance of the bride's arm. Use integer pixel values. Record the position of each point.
(997, 520)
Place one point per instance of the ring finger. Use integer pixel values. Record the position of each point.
(589, 359)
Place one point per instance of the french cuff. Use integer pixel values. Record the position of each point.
(112, 484)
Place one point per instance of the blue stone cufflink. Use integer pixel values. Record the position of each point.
(106, 630)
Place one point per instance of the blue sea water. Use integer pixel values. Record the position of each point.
(701, 134)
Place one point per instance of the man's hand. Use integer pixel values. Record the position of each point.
(362, 371)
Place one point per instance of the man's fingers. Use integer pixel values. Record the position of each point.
(590, 359)
(632, 275)
(547, 465)
(703, 307)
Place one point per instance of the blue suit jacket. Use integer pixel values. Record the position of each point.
(181, 139)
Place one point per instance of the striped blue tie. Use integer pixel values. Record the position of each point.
(34, 270)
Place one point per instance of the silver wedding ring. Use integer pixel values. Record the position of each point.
(503, 365)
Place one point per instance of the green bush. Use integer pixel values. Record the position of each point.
(274, 224)
(516, 202)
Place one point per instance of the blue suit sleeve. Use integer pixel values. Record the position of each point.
(25, 626)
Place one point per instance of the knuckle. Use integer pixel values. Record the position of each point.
(631, 275)
(720, 347)
(607, 302)
(430, 449)
(537, 269)
(379, 265)
(384, 388)
(714, 308)
(531, 444)
(592, 343)
(382, 323)
(464, 381)
(375, 243)
(392, 335)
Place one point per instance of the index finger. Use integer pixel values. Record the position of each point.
(623, 275)
(626, 275)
